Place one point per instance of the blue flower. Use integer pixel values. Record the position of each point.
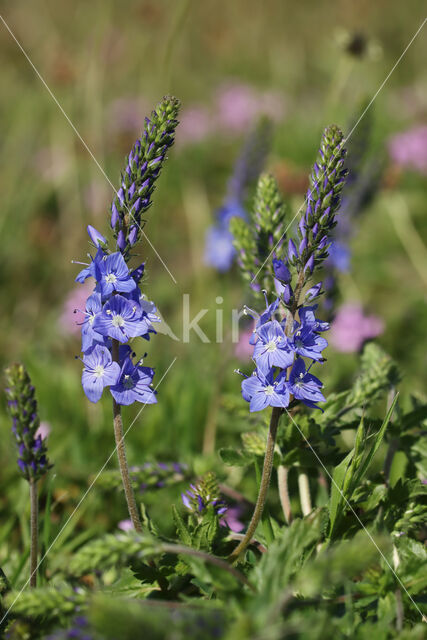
(308, 319)
(89, 336)
(113, 274)
(262, 390)
(121, 319)
(99, 372)
(308, 344)
(219, 250)
(339, 256)
(272, 347)
(265, 316)
(304, 386)
(134, 385)
(90, 270)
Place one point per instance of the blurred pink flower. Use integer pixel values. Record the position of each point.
(195, 124)
(125, 525)
(351, 328)
(409, 149)
(43, 430)
(238, 105)
(243, 350)
(51, 163)
(76, 299)
(126, 115)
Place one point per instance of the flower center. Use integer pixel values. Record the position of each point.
(269, 390)
(99, 371)
(128, 382)
(301, 375)
(271, 346)
(111, 278)
(91, 320)
(117, 321)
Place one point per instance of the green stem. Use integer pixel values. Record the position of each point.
(121, 454)
(33, 532)
(263, 489)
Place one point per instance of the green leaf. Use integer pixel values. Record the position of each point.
(234, 458)
(338, 479)
(181, 529)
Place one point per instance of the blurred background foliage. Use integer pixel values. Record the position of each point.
(108, 63)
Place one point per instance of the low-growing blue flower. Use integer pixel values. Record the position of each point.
(272, 348)
(305, 342)
(134, 385)
(308, 319)
(99, 371)
(304, 386)
(262, 390)
(112, 274)
(89, 336)
(121, 319)
(219, 250)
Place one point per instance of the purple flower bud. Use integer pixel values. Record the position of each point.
(96, 237)
(292, 250)
(287, 293)
(133, 235)
(315, 230)
(281, 271)
(121, 196)
(309, 265)
(114, 215)
(121, 240)
(302, 246)
(322, 244)
(131, 190)
(314, 291)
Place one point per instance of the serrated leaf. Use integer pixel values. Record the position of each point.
(234, 458)
(181, 529)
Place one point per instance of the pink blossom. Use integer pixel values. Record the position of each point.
(195, 124)
(52, 163)
(238, 105)
(43, 430)
(126, 115)
(76, 299)
(351, 328)
(125, 525)
(243, 350)
(409, 149)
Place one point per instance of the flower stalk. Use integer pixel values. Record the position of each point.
(264, 485)
(121, 454)
(34, 509)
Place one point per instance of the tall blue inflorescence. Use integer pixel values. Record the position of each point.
(287, 338)
(219, 249)
(22, 407)
(117, 311)
(142, 169)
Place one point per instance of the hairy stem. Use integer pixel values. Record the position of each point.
(121, 454)
(304, 493)
(34, 507)
(282, 483)
(263, 489)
